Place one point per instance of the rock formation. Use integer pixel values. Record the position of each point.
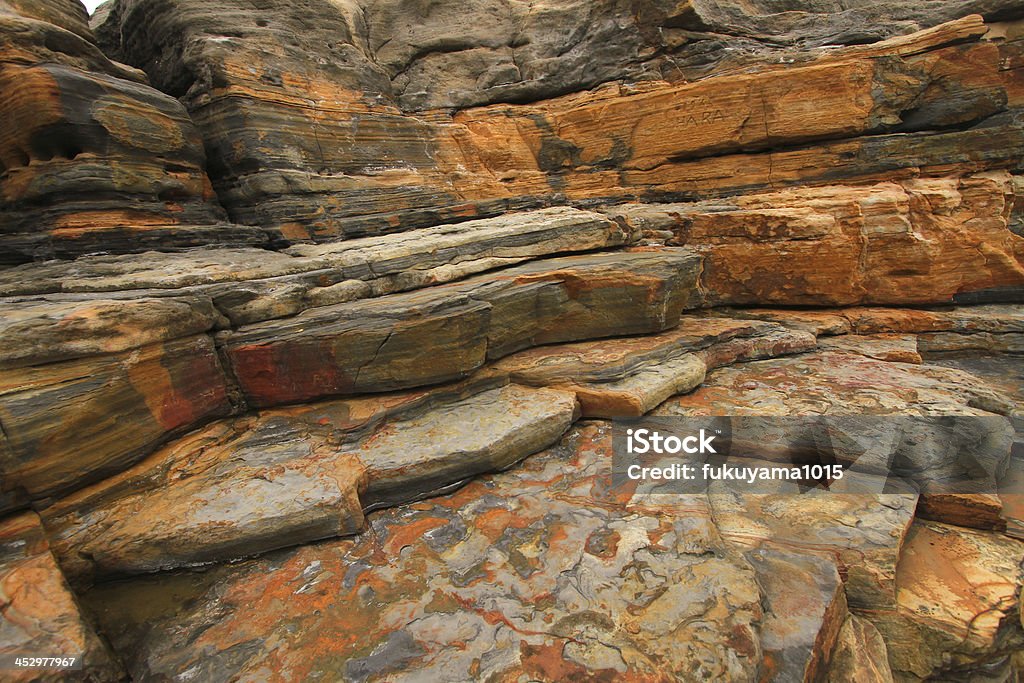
(316, 316)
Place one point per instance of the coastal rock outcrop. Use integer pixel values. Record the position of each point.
(91, 157)
(321, 323)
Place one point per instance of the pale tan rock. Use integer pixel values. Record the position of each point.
(860, 654)
(899, 242)
(957, 602)
(895, 348)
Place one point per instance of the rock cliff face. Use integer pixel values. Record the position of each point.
(92, 157)
(314, 317)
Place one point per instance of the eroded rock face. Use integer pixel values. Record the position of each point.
(372, 167)
(92, 158)
(107, 410)
(909, 242)
(378, 345)
(342, 432)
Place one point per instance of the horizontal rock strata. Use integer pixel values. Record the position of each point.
(93, 158)
(302, 305)
(286, 477)
(378, 345)
(911, 242)
(371, 167)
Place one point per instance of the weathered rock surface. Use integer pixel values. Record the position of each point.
(860, 654)
(910, 242)
(92, 158)
(379, 345)
(954, 331)
(123, 361)
(958, 603)
(547, 571)
(558, 579)
(286, 477)
(863, 533)
(252, 285)
(313, 423)
(39, 615)
(368, 167)
(830, 383)
(629, 377)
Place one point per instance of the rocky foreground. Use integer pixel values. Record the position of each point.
(315, 316)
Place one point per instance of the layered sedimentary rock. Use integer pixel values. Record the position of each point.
(220, 491)
(92, 158)
(297, 475)
(377, 345)
(907, 242)
(371, 167)
(115, 361)
(339, 437)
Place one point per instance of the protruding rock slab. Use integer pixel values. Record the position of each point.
(895, 348)
(67, 424)
(251, 285)
(487, 432)
(839, 384)
(628, 377)
(862, 533)
(958, 602)
(536, 572)
(39, 616)
(48, 330)
(289, 476)
(444, 333)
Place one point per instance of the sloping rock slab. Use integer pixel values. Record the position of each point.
(245, 486)
(251, 285)
(628, 377)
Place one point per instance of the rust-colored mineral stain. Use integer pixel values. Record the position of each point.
(411, 533)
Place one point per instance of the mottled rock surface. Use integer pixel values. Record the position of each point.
(559, 580)
(92, 158)
(302, 303)
(39, 615)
